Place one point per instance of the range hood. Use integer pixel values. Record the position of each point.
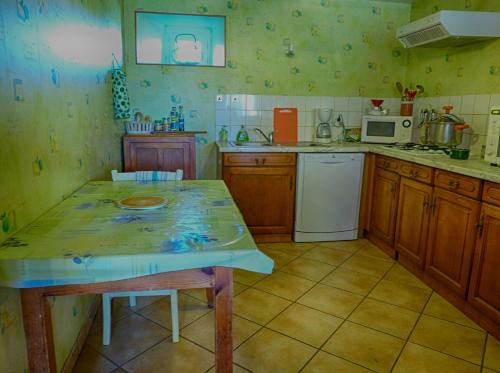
(450, 28)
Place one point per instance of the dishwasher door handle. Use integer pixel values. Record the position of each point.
(333, 162)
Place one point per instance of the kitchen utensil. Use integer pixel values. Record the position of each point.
(447, 129)
(324, 131)
(420, 89)
(462, 154)
(285, 125)
(377, 108)
(399, 87)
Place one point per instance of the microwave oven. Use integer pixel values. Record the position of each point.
(492, 153)
(386, 129)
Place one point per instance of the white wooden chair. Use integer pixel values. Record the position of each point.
(107, 297)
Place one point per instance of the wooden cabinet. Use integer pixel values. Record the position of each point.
(491, 193)
(465, 185)
(263, 187)
(384, 208)
(165, 152)
(484, 290)
(413, 221)
(414, 171)
(452, 234)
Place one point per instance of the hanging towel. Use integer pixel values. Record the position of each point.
(158, 175)
(121, 103)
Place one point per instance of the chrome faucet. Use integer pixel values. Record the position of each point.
(269, 138)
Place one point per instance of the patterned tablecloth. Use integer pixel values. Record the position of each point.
(87, 238)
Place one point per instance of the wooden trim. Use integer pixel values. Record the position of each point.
(38, 331)
(366, 195)
(269, 238)
(384, 246)
(223, 320)
(77, 348)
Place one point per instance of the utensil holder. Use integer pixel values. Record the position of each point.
(406, 109)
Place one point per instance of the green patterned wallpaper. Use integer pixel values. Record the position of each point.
(473, 69)
(343, 48)
(57, 132)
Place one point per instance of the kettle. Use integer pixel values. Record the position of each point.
(324, 131)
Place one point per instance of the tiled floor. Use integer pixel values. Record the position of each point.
(337, 306)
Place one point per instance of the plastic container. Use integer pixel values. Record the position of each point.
(242, 135)
(223, 134)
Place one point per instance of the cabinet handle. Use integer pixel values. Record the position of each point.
(433, 206)
(256, 160)
(385, 164)
(480, 226)
(454, 183)
(263, 160)
(426, 203)
(415, 174)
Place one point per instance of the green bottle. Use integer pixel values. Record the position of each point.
(223, 135)
(242, 135)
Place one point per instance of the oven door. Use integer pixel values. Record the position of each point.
(379, 130)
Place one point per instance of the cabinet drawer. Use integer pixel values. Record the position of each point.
(491, 193)
(417, 172)
(387, 163)
(259, 159)
(465, 185)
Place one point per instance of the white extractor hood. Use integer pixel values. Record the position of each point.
(450, 28)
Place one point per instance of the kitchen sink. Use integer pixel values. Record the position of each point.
(251, 143)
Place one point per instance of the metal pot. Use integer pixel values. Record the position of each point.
(446, 130)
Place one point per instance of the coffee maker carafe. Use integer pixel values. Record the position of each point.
(324, 131)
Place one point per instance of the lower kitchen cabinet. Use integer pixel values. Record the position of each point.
(384, 209)
(452, 233)
(484, 289)
(264, 193)
(412, 221)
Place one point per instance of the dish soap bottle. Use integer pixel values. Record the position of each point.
(242, 135)
(223, 135)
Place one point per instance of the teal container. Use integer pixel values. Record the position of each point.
(242, 135)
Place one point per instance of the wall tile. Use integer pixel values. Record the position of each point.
(481, 104)
(222, 117)
(468, 104)
(238, 102)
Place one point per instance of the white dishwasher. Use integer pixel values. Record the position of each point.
(328, 196)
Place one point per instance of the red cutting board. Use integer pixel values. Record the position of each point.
(285, 124)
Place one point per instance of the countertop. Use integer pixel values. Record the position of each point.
(474, 167)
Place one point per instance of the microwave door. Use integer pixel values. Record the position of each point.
(381, 131)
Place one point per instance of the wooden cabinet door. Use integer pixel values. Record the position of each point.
(265, 197)
(452, 233)
(412, 221)
(484, 290)
(160, 156)
(384, 205)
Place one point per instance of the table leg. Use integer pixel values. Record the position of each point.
(210, 297)
(38, 331)
(223, 320)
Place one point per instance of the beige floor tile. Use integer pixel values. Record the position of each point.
(453, 339)
(492, 354)
(285, 285)
(182, 356)
(257, 306)
(118, 312)
(90, 361)
(280, 258)
(371, 250)
(486, 370)
(350, 246)
(364, 346)
(334, 301)
(246, 277)
(202, 331)
(401, 295)
(200, 294)
(401, 275)
(129, 337)
(351, 281)
(367, 265)
(190, 309)
(292, 248)
(385, 317)
(268, 351)
(326, 255)
(306, 268)
(327, 363)
(441, 308)
(419, 359)
(305, 324)
(141, 302)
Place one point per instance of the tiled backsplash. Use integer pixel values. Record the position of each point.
(256, 111)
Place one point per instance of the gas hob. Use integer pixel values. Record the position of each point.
(411, 147)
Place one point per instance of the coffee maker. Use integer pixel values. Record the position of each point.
(324, 131)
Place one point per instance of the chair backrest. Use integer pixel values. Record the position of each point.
(147, 175)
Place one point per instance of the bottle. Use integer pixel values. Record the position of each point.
(242, 135)
(181, 118)
(166, 124)
(223, 135)
(174, 126)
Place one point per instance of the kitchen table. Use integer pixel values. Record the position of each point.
(89, 245)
